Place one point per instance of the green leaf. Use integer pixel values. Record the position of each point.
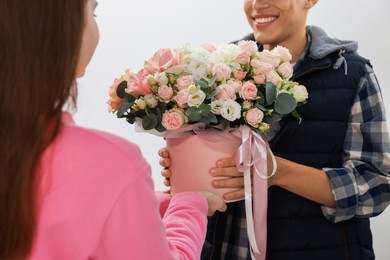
(296, 114)
(204, 109)
(160, 128)
(194, 114)
(130, 98)
(202, 83)
(212, 118)
(270, 92)
(260, 94)
(120, 91)
(212, 80)
(130, 118)
(285, 103)
(150, 121)
(259, 106)
(123, 109)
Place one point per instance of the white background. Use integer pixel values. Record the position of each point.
(131, 31)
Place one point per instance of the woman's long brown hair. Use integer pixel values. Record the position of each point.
(39, 47)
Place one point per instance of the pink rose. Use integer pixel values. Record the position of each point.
(173, 119)
(209, 47)
(240, 74)
(270, 58)
(259, 78)
(273, 77)
(137, 84)
(165, 92)
(243, 57)
(249, 46)
(285, 70)
(235, 83)
(259, 66)
(226, 91)
(183, 82)
(181, 98)
(162, 60)
(114, 101)
(222, 71)
(254, 117)
(248, 91)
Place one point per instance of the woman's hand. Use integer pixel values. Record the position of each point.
(226, 167)
(165, 162)
(215, 203)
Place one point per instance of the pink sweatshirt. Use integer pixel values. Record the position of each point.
(97, 201)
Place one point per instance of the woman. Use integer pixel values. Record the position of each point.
(68, 192)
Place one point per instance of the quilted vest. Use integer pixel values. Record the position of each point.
(297, 228)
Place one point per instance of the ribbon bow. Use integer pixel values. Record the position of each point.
(252, 155)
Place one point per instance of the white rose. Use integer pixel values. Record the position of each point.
(249, 46)
(300, 93)
(270, 58)
(285, 70)
(283, 53)
(231, 110)
(151, 100)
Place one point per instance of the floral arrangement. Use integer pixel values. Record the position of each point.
(229, 85)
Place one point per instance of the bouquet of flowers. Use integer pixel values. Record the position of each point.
(234, 89)
(228, 85)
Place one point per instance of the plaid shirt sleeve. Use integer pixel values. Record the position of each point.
(362, 187)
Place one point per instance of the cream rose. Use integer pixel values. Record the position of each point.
(300, 93)
(283, 53)
(285, 70)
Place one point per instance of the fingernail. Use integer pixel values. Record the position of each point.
(213, 172)
(216, 183)
(220, 163)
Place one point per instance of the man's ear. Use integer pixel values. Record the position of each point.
(310, 3)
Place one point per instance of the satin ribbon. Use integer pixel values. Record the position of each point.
(252, 155)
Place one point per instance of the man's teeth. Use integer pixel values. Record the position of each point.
(265, 20)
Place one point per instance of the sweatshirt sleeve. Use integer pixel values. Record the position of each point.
(362, 187)
(135, 229)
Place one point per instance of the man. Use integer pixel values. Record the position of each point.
(333, 169)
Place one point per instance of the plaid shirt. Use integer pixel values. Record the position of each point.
(361, 188)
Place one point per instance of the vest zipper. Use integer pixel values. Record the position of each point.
(345, 243)
(214, 234)
(310, 71)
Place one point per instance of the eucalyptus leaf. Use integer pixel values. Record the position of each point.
(285, 103)
(129, 97)
(270, 92)
(204, 109)
(194, 114)
(150, 121)
(123, 109)
(212, 80)
(202, 83)
(120, 91)
(261, 100)
(259, 106)
(130, 118)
